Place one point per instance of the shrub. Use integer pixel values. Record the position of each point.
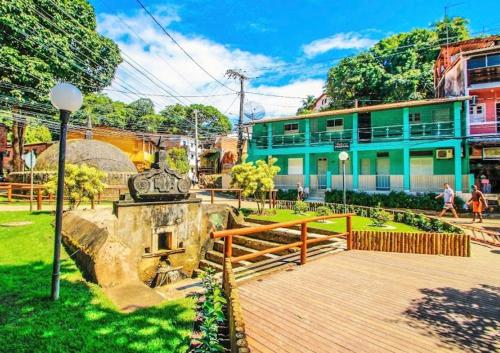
(212, 309)
(289, 195)
(380, 217)
(323, 211)
(300, 207)
(393, 199)
(81, 183)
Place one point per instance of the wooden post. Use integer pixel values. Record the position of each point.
(39, 200)
(228, 246)
(239, 198)
(9, 193)
(303, 245)
(212, 194)
(349, 232)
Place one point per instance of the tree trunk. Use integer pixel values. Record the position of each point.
(18, 135)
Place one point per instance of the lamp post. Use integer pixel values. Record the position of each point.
(343, 156)
(68, 99)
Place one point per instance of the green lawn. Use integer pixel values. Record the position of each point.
(83, 320)
(335, 225)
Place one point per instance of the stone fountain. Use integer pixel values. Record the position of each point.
(155, 236)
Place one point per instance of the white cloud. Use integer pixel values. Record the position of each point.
(349, 40)
(174, 72)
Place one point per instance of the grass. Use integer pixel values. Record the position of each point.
(83, 320)
(335, 225)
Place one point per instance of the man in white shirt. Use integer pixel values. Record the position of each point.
(300, 192)
(448, 196)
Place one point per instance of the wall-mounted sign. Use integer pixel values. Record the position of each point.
(491, 153)
(341, 146)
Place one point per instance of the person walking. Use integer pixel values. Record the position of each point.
(192, 177)
(448, 196)
(478, 201)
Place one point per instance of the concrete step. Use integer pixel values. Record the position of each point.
(205, 264)
(259, 244)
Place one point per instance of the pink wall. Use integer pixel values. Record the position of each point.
(490, 97)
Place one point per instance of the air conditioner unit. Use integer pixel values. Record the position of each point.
(444, 154)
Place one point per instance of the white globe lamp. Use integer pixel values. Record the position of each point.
(68, 99)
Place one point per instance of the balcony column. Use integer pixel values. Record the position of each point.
(406, 124)
(406, 169)
(355, 171)
(269, 136)
(328, 180)
(307, 132)
(354, 129)
(307, 173)
(354, 148)
(458, 167)
(457, 126)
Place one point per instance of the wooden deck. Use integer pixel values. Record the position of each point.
(363, 301)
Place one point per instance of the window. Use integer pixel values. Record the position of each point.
(441, 115)
(184, 143)
(421, 166)
(477, 62)
(292, 128)
(295, 166)
(165, 241)
(493, 60)
(335, 124)
(476, 113)
(415, 118)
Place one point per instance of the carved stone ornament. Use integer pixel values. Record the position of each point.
(159, 183)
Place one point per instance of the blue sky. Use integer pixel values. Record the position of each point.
(257, 34)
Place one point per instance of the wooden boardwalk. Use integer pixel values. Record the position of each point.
(362, 301)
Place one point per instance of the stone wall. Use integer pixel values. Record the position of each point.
(237, 335)
(127, 244)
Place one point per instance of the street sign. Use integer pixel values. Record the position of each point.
(30, 159)
(341, 146)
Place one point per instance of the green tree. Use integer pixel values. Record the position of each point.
(42, 41)
(177, 159)
(255, 179)
(81, 183)
(307, 105)
(399, 67)
(37, 134)
(102, 110)
(179, 119)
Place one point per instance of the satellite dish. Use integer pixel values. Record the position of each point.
(254, 110)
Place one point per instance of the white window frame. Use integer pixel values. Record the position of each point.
(335, 127)
(295, 168)
(291, 132)
(476, 118)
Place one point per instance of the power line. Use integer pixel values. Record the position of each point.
(181, 48)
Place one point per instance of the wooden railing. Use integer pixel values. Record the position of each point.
(213, 191)
(304, 241)
(10, 189)
(482, 235)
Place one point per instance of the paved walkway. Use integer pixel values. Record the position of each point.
(360, 301)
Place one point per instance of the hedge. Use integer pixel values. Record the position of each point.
(393, 199)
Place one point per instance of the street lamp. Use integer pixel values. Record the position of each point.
(68, 99)
(343, 156)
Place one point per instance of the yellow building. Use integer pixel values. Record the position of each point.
(138, 147)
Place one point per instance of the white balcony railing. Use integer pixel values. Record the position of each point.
(287, 182)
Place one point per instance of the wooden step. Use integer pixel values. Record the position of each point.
(284, 262)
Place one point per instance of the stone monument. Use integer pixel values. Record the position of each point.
(156, 235)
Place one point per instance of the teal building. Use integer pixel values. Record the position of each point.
(413, 146)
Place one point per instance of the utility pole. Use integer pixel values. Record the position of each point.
(196, 144)
(238, 74)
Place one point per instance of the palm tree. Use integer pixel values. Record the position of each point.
(307, 105)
